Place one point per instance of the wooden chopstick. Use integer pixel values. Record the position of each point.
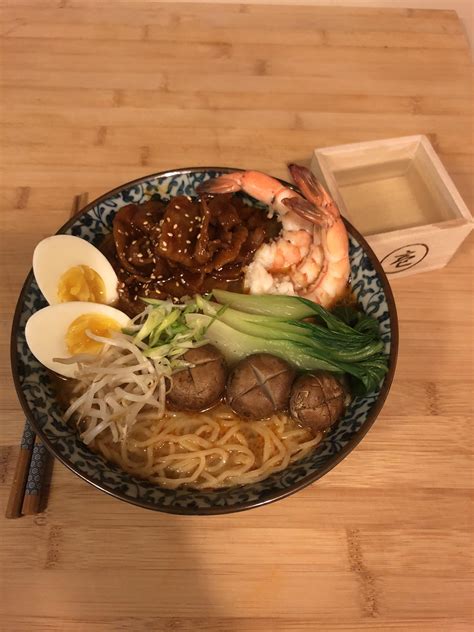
(80, 201)
(35, 485)
(17, 490)
(27, 493)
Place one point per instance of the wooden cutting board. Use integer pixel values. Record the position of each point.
(98, 93)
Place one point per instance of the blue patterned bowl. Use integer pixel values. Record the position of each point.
(35, 391)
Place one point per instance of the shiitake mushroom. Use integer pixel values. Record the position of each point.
(259, 386)
(202, 384)
(317, 400)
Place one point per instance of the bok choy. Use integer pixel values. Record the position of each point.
(341, 342)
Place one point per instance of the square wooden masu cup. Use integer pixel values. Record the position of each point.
(398, 194)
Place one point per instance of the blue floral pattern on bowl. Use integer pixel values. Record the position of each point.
(37, 397)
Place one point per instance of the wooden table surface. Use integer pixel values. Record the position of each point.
(95, 94)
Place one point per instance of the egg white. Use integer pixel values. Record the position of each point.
(46, 331)
(54, 255)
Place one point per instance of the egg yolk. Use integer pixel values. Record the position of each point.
(78, 341)
(81, 283)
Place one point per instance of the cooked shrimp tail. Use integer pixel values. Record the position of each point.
(314, 192)
(228, 183)
(306, 210)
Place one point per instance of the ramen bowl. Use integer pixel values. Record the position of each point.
(37, 396)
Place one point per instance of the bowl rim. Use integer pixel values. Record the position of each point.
(332, 461)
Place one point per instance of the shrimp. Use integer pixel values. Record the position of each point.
(310, 257)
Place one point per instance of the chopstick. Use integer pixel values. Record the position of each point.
(35, 484)
(80, 201)
(17, 490)
(27, 493)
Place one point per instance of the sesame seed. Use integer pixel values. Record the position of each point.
(140, 256)
(165, 244)
(134, 242)
(183, 281)
(170, 234)
(190, 230)
(160, 276)
(188, 241)
(167, 219)
(186, 215)
(148, 214)
(177, 284)
(145, 223)
(175, 225)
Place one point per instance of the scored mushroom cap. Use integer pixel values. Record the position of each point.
(317, 400)
(201, 385)
(259, 386)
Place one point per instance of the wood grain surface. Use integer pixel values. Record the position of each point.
(98, 93)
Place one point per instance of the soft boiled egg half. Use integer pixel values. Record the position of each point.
(60, 331)
(69, 268)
